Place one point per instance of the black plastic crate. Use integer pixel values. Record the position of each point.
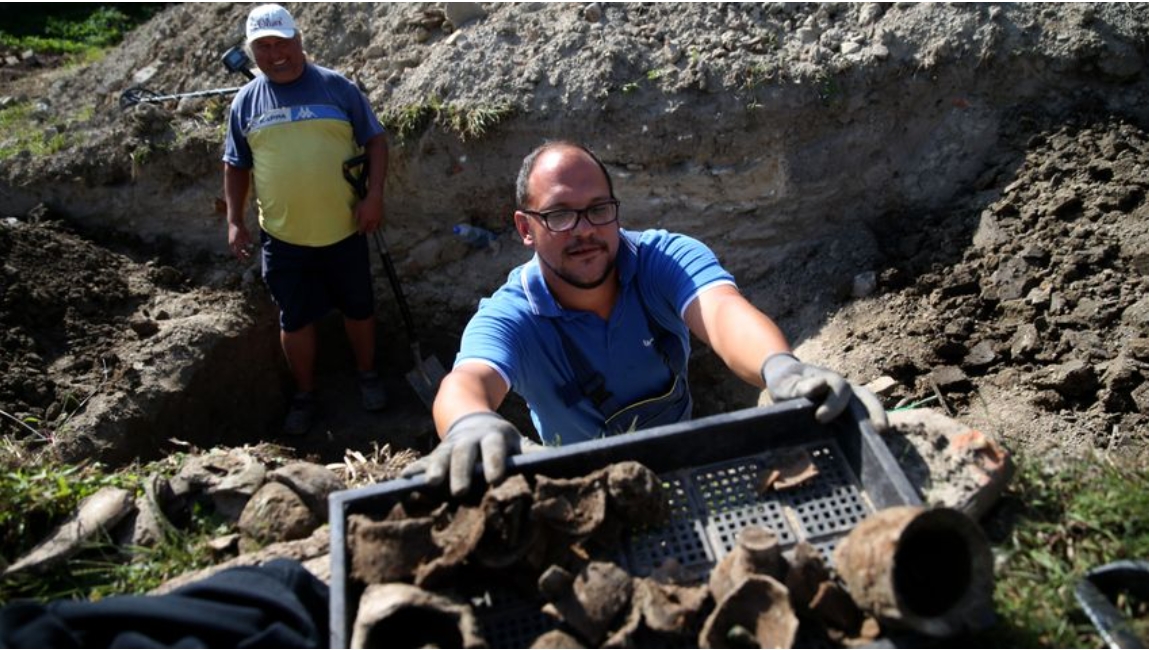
(710, 467)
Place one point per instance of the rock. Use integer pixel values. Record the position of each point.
(150, 525)
(461, 13)
(1140, 397)
(882, 386)
(592, 12)
(143, 326)
(312, 482)
(97, 514)
(1025, 342)
(277, 514)
(950, 379)
(947, 462)
(864, 284)
(1074, 379)
(980, 355)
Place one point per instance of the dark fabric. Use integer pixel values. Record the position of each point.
(307, 282)
(276, 605)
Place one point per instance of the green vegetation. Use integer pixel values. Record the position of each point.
(651, 75)
(1068, 522)
(24, 130)
(467, 122)
(74, 29)
(38, 493)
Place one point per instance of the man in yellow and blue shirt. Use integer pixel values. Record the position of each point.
(290, 129)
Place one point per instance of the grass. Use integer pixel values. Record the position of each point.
(25, 130)
(467, 122)
(78, 30)
(1068, 521)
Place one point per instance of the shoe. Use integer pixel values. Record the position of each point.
(300, 415)
(372, 392)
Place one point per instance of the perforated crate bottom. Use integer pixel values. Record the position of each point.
(710, 505)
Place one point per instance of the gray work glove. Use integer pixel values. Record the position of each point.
(788, 378)
(484, 434)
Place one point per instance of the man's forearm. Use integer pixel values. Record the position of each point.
(467, 389)
(740, 334)
(236, 184)
(376, 150)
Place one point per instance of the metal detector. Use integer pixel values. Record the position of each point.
(234, 60)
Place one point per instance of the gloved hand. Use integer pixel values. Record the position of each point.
(484, 433)
(788, 378)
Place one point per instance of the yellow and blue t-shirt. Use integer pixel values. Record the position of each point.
(295, 137)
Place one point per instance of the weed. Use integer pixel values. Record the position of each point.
(1070, 520)
(651, 75)
(830, 91)
(25, 130)
(467, 122)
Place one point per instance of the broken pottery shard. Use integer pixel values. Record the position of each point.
(928, 570)
(756, 552)
(456, 534)
(99, 512)
(575, 506)
(398, 615)
(600, 592)
(759, 607)
(834, 607)
(791, 470)
(383, 551)
(557, 639)
(806, 572)
(636, 494)
(670, 608)
(508, 532)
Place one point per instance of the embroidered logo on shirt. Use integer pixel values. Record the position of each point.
(304, 113)
(648, 342)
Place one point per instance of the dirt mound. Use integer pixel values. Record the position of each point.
(950, 196)
(1024, 309)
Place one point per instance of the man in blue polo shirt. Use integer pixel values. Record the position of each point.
(594, 331)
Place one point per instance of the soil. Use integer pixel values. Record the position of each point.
(948, 200)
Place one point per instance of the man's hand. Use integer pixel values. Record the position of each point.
(788, 378)
(369, 213)
(483, 433)
(239, 241)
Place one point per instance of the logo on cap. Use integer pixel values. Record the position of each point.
(269, 20)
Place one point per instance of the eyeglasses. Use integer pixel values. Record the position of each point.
(599, 214)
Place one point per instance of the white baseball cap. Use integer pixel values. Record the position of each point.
(269, 20)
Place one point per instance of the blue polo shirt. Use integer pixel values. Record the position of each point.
(514, 332)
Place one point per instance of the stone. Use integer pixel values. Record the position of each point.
(277, 514)
(950, 379)
(312, 482)
(96, 515)
(882, 386)
(461, 13)
(864, 284)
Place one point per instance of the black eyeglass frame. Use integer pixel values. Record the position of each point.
(584, 213)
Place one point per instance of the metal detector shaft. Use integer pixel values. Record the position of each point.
(137, 95)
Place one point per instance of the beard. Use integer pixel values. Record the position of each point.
(583, 283)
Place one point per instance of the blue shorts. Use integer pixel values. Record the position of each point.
(307, 282)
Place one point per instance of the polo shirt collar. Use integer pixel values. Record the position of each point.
(539, 295)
